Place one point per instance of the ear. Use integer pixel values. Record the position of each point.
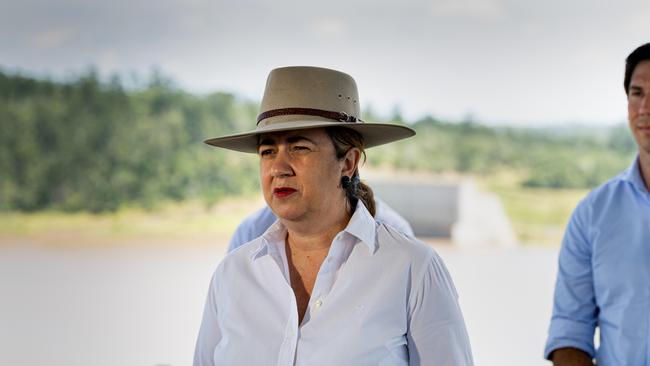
(350, 161)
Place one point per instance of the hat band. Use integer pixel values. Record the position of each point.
(336, 116)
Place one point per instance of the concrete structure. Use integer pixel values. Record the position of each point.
(445, 208)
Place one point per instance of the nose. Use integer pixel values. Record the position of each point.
(644, 106)
(281, 166)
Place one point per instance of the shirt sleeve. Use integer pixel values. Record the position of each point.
(436, 334)
(251, 227)
(209, 332)
(575, 312)
(240, 236)
(387, 215)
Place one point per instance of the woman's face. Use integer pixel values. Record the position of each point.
(300, 174)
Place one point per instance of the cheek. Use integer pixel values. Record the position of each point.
(330, 176)
(265, 176)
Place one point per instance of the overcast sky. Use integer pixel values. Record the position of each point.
(520, 62)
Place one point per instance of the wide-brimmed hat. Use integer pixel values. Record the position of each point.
(303, 97)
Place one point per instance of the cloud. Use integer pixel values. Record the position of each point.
(329, 27)
(51, 38)
(108, 60)
(477, 9)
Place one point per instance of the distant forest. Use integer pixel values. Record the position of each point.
(89, 144)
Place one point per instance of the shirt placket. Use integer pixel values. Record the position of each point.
(321, 288)
(287, 352)
(326, 276)
(323, 285)
(313, 308)
(291, 336)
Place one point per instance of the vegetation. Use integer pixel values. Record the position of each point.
(537, 215)
(545, 157)
(87, 145)
(173, 223)
(84, 145)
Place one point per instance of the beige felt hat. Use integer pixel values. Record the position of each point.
(302, 97)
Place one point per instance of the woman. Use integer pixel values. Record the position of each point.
(326, 284)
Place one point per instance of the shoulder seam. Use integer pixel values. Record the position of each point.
(421, 273)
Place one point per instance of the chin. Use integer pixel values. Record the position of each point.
(644, 150)
(643, 141)
(287, 213)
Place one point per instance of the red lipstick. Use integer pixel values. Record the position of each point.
(283, 192)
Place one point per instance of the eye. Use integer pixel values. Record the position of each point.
(265, 152)
(636, 92)
(300, 148)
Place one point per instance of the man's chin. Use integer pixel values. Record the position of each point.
(645, 150)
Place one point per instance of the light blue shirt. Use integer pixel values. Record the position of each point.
(604, 275)
(256, 224)
(380, 298)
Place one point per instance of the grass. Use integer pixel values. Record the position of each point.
(172, 223)
(538, 215)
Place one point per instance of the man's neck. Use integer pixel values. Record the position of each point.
(644, 167)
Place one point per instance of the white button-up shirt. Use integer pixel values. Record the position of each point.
(380, 298)
(258, 222)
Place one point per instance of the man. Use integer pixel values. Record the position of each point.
(604, 266)
(255, 224)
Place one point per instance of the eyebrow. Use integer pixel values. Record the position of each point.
(296, 138)
(290, 140)
(635, 88)
(265, 141)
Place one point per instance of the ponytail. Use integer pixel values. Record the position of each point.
(365, 194)
(344, 139)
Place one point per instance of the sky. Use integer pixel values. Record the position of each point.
(499, 62)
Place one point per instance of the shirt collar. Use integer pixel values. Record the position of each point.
(633, 175)
(361, 226)
(276, 233)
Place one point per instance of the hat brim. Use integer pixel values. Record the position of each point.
(374, 134)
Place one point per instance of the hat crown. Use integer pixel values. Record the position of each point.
(304, 97)
(308, 87)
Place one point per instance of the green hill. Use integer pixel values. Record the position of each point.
(92, 145)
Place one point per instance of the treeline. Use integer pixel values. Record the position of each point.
(93, 145)
(551, 158)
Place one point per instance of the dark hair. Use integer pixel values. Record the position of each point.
(344, 139)
(642, 53)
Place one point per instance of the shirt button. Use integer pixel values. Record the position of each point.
(318, 303)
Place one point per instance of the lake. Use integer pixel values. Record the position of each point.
(142, 305)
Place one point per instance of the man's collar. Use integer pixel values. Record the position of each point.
(361, 225)
(633, 175)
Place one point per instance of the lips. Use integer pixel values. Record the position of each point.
(643, 129)
(282, 192)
